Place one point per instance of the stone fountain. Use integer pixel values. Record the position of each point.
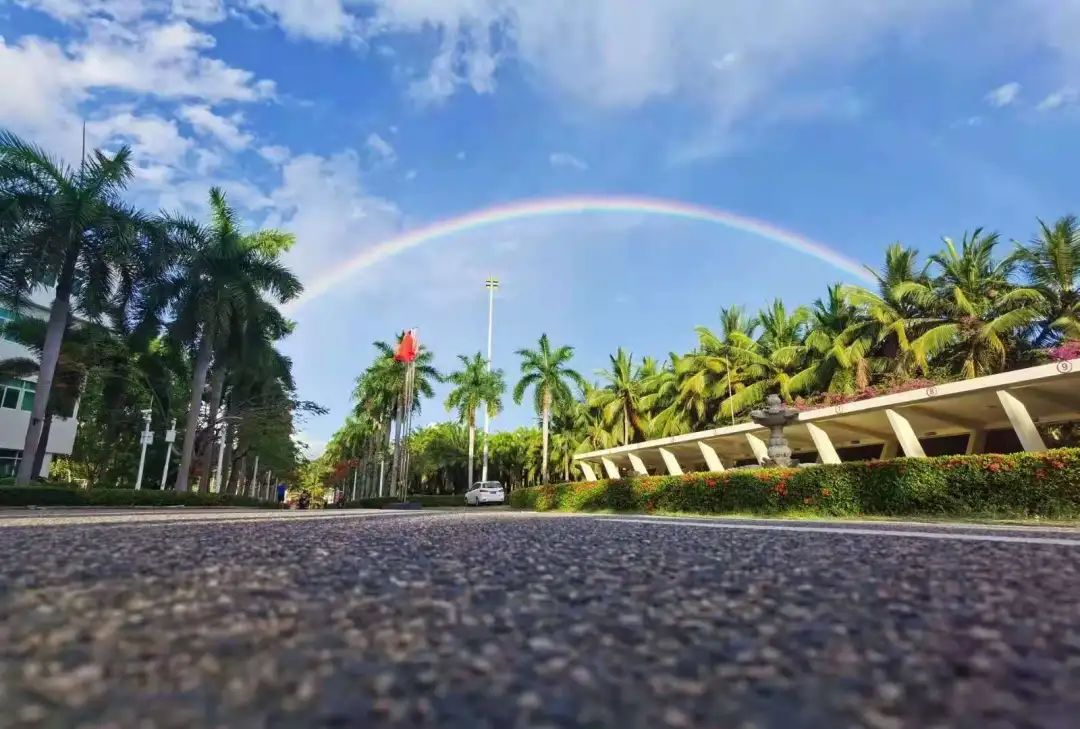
(774, 416)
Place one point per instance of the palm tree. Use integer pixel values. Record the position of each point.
(768, 364)
(474, 386)
(900, 309)
(982, 313)
(545, 371)
(838, 348)
(1051, 265)
(620, 399)
(70, 230)
(223, 276)
(378, 390)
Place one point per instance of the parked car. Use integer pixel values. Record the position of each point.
(485, 492)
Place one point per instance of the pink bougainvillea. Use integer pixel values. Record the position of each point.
(1064, 351)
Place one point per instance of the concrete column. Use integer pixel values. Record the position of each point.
(590, 474)
(638, 465)
(909, 442)
(1021, 422)
(671, 462)
(712, 461)
(610, 468)
(976, 442)
(889, 451)
(759, 447)
(823, 444)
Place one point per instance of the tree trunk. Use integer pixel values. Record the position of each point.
(546, 419)
(43, 444)
(198, 383)
(472, 447)
(225, 477)
(237, 473)
(625, 427)
(217, 385)
(50, 354)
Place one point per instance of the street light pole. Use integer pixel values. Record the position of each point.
(491, 284)
(146, 439)
(170, 438)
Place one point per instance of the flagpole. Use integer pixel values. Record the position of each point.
(491, 284)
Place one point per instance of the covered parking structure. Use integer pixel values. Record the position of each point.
(994, 414)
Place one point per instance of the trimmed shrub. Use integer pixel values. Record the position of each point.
(1014, 485)
(61, 496)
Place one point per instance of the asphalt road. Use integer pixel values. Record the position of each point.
(493, 619)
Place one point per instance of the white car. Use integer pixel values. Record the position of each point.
(485, 492)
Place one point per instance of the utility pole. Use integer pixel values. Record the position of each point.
(170, 438)
(491, 284)
(146, 439)
(255, 478)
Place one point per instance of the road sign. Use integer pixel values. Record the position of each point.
(170, 436)
(147, 437)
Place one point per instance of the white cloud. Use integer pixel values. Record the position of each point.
(153, 140)
(565, 159)
(322, 201)
(320, 20)
(312, 446)
(1003, 95)
(225, 129)
(275, 154)
(380, 151)
(167, 61)
(76, 10)
(201, 11)
(207, 161)
(1062, 97)
(624, 53)
(461, 155)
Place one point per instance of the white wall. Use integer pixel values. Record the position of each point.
(13, 423)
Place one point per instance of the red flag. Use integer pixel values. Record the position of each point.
(407, 348)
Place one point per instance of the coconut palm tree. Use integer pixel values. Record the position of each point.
(378, 390)
(838, 348)
(900, 309)
(223, 276)
(768, 364)
(982, 314)
(545, 370)
(1050, 264)
(619, 401)
(475, 386)
(68, 229)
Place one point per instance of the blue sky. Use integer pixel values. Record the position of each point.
(853, 122)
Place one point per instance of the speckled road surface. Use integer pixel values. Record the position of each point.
(496, 619)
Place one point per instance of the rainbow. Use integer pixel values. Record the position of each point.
(548, 207)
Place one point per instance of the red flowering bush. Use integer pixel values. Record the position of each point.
(830, 399)
(1065, 351)
(1016, 485)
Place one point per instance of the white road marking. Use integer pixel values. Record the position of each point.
(136, 517)
(855, 531)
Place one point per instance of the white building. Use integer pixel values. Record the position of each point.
(16, 402)
(995, 414)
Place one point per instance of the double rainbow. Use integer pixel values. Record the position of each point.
(548, 207)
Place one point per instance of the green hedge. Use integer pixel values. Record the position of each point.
(422, 499)
(1017, 485)
(61, 496)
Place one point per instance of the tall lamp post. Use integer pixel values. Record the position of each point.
(491, 284)
(146, 439)
(170, 438)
